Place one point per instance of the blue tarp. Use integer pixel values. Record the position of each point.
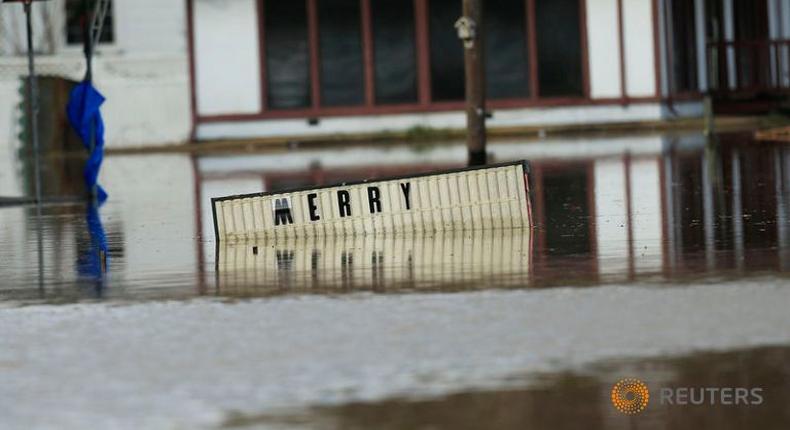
(84, 115)
(89, 261)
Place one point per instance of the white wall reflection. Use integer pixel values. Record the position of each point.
(646, 205)
(608, 210)
(478, 259)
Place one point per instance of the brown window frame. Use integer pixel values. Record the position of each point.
(421, 40)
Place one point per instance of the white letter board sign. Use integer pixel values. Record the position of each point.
(479, 198)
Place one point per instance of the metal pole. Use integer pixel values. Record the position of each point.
(32, 88)
(475, 83)
(88, 48)
(92, 35)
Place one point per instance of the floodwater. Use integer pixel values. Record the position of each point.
(576, 399)
(659, 257)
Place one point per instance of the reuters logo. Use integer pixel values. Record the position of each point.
(630, 396)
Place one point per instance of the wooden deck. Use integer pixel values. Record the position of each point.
(781, 134)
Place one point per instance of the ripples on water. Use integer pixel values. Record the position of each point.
(623, 212)
(645, 208)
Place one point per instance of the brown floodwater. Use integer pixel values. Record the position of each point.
(660, 257)
(627, 209)
(581, 399)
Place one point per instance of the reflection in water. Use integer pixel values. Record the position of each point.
(565, 201)
(631, 209)
(443, 260)
(681, 212)
(565, 400)
(690, 210)
(637, 209)
(728, 207)
(93, 262)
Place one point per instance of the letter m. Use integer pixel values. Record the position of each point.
(282, 212)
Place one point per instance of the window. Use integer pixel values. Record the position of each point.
(447, 52)
(287, 55)
(78, 16)
(684, 54)
(558, 32)
(753, 60)
(340, 38)
(394, 51)
(321, 54)
(507, 71)
(751, 19)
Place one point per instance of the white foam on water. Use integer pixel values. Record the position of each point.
(187, 364)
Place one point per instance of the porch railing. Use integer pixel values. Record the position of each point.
(749, 67)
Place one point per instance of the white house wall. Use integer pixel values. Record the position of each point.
(147, 100)
(639, 48)
(151, 26)
(604, 48)
(144, 74)
(401, 122)
(785, 13)
(229, 78)
(682, 109)
(603, 40)
(663, 89)
(227, 58)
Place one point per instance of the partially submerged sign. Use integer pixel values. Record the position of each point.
(480, 198)
(424, 261)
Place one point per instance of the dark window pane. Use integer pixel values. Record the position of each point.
(78, 13)
(753, 61)
(751, 19)
(342, 81)
(684, 58)
(287, 55)
(394, 52)
(559, 48)
(507, 72)
(447, 53)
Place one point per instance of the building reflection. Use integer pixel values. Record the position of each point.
(615, 209)
(726, 208)
(459, 260)
(696, 207)
(678, 207)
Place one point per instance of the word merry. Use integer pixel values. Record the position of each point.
(283, 214)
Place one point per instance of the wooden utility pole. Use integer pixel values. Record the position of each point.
(470, 30)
